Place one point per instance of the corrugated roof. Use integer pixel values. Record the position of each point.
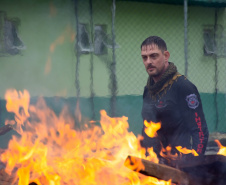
(208, 3)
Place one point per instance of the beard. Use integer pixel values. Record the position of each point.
(154, 73)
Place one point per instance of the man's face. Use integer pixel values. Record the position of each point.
(155, 61)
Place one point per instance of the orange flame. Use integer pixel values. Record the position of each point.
(166, 153)
(222, 149)
(151, 128)
(135, 164)
(186, 151)
(18, 103)
(51, 151)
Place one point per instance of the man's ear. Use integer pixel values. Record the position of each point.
(167, 55)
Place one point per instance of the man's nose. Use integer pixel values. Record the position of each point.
(149, 60)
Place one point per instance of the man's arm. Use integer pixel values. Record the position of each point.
(193, 116)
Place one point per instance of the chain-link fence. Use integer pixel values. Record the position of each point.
(109, 34)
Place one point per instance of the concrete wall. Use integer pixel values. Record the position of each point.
(49, 64)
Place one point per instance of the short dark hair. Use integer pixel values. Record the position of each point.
(158, 41)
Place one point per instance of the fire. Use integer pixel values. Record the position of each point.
(222, 149)
(51, 151)
(14, 101)
(187, 151)
(152, 128)
(167, 154)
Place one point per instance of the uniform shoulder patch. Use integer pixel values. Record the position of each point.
(193, 101)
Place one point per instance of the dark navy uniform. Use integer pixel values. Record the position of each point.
(179, 109)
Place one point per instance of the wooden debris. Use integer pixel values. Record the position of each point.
(5, 129)
(159, 171)
(192, 170)
(6, 179)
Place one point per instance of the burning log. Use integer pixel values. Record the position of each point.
(192, 170)
(159, 171)
(5, 129)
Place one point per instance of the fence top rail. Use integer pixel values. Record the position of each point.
(206, 3)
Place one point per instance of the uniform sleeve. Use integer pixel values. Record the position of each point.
(193, 115)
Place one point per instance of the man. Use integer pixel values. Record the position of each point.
(171, 99)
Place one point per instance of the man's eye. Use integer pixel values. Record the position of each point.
(154, 56)
(144, 58)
